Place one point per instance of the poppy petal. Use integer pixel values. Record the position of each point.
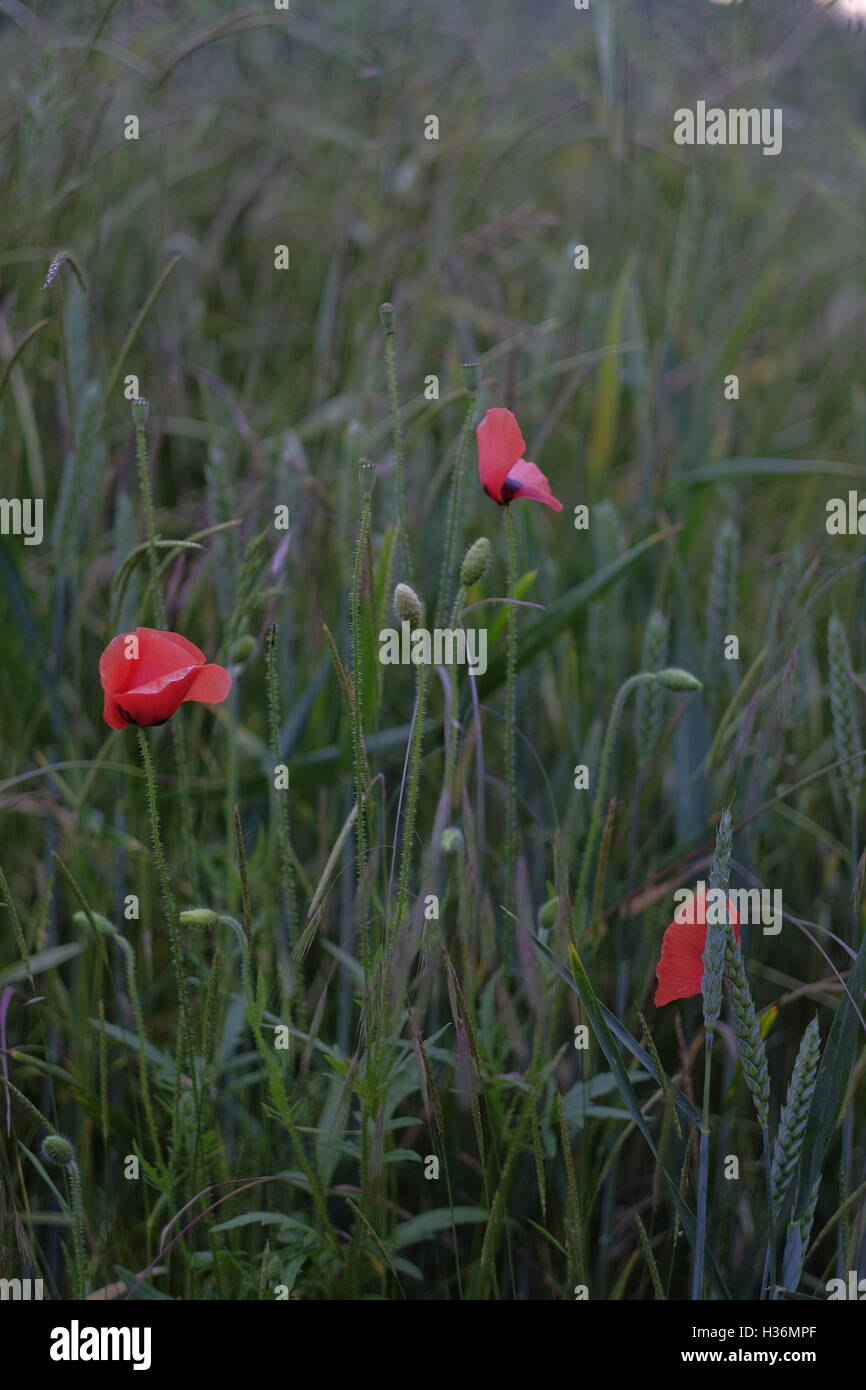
(110, 713)
(680, 970)
(154, 701)
(500, 445)
(531, 483)
(194, 656)
(211, 684)
(162, 654)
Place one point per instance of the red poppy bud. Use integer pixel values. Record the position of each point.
(147, 675)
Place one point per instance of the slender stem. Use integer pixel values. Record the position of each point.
(510, 716)
(284, 823)
(171, 914)
(64, 358)
(79, 1281)
(454, 500)
(138, 1016)
(358, 715)
(398, 449)
(411, 804)
(604, 766)
(771, 1220)
(451, 745)
(703, 1173)
(189, 842)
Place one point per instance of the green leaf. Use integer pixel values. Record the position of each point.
(439, 1219)
(264, 1218)
(43, 960)
(159, 1058)
(604, 418)
(621, 1032)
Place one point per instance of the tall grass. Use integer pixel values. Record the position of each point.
(389, 1032)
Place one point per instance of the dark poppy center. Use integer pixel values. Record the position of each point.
(509, 488)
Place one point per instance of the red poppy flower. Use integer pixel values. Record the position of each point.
(147, 675)
(680, 968)
(505, 474)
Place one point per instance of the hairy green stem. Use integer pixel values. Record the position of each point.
(190, 844)
(284, 822)
(185, 1038)
(391, 370)
(454, 500)
(703, 1177)
(358, 715)
(510, 716)
(411, 814)
(79, 1279)
(138, 1017)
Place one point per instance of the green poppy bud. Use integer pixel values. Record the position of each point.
(57, 1150)
(476, 562)
(452, 840)
(471, 373)
(198, 917)
(103, 926)
(242, 649)
(367, 476)
(675, 678)
(408, 606)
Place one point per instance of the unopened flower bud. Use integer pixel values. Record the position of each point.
(675, 678)
(471, 373)
(198, 917)
(476, 562)
(408, 606)
(102, 924)
(55, 1149)
(367, 476)
(452, 840)
(242, 649)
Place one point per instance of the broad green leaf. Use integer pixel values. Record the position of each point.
(429, 1223)
(42, 961)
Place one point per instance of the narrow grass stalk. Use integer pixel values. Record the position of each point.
(470, 377)
(284, 822)
(367, 475)
(172, 918)
(138, 1018)
(386, 313)
(711, 991)
(510, 717)
(139, 415)
(411, 815)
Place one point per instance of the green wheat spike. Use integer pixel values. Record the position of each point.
(753, 1055)
(714, 946)
(792, 1121)
(721, 608)
(846, 726)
